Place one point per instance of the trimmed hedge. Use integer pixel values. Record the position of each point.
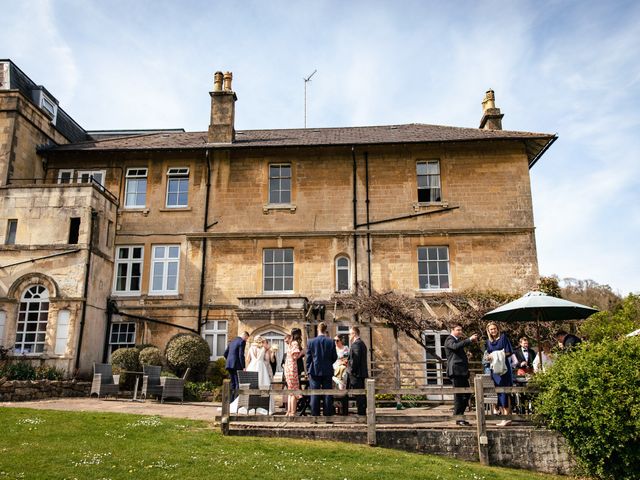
(591, 395)
(186, 350)
(150, 356)
(126, 359)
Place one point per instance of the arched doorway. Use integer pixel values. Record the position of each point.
(276, 338)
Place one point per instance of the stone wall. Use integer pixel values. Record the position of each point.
(22, 391)
(526, 448)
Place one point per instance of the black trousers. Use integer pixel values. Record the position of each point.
(361, 400)
(460, 400)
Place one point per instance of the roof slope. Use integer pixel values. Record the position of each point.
(378, 135)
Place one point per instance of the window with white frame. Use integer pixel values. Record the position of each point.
(280, 183)
(33, 316)
(128, 270)
(177, 187)
(278, 270)
(215, 334)
(135, 193)
(122, 335)
(343, 332)
(433, 268)
(164, 269)
(342, 274)
(65, 176)
(86, 176)
(62, 332)
(428, 174)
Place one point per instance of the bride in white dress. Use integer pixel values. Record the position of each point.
(259, 357)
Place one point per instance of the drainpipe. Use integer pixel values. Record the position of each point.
(87, 275)
(355, 217)
(366, 182)
(204, 243)
(111, 309)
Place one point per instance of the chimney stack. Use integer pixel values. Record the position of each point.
(223, 109)
(491, 116)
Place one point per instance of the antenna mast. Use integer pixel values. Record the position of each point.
(307, 80)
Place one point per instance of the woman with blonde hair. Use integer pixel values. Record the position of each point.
(259, 359)
(498, 351)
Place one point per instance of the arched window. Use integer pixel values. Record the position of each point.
(342, 274)
(33, 316)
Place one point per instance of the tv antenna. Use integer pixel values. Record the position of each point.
(307, 80)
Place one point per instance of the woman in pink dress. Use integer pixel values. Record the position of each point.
(294, 351)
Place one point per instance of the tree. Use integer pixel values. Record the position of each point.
(590, 293)
(550, 286)
(622, 319)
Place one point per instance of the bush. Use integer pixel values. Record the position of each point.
(217, 372)
(150, 356)
(193, 390)
(44, 372)
(19, 371)
(592, 397)
(126, 359)
(186, 350)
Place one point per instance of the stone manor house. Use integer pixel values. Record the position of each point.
(115, 238)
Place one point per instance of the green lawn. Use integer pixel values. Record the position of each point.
(42, 444)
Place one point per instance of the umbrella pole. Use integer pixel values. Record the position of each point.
(538, 315)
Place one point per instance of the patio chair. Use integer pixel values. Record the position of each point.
(173, 387)
(104, 381)
(151, 381)
(255, 401)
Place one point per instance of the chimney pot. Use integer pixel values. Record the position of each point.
(228, 76)
(489, 100)
(491, 116)
(217, 82)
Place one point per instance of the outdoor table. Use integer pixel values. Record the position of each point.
(138, 375)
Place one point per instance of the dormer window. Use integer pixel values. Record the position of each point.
(48, 105)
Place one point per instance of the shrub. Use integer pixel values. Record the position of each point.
(150, 356)
(193, 390)
(45, 372)
(126, 359)
(592, 397)
(19, 371)
(186, 350)
(216, 372)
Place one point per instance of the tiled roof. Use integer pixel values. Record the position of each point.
(378, 135)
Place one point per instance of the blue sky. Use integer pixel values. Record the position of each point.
(566, 67)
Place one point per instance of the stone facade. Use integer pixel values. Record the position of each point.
(482, 218)
(23, 391)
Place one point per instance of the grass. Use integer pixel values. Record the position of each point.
(43, 444)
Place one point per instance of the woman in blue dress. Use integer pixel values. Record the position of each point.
(499, 341)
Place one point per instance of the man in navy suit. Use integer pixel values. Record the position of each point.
(235, 360)
(321, 353)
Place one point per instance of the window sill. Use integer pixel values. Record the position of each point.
(278, 206)
(116, 295)
(287, 293)
(431, 292)
(417, 206)
(164, 296)
(175, 209)
(143, 210)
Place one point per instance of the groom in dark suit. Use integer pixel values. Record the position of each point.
(235, 360)
(458, 368)
(357, 370)
(321, 353)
